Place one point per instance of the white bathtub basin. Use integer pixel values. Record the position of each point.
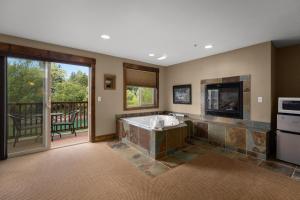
(147, 121)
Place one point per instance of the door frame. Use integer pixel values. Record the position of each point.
(26, 52)
(3, 97)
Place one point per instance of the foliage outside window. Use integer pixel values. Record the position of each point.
(140, 96)
(73, 88)
(26, 82)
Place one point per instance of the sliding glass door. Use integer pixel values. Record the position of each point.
(27, 106)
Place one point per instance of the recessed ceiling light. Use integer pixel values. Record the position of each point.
(209, 46)
(162, 57)
(151, 54)
(105, 37)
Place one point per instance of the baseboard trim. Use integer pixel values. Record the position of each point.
(101, 138)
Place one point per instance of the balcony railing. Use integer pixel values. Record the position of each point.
(31, 115)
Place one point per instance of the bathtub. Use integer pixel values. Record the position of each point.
(154, 142)
(146, 122)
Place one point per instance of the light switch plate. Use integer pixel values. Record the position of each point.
(259, 99)
(99, 99)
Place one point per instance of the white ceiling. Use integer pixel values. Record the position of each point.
(138, 27)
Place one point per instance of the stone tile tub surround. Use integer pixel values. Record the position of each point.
(154, 143)
(244, 136)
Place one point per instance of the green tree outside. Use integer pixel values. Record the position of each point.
(140, 96)
(26, 83)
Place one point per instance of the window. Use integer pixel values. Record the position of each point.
(140, 87)
(140, 96)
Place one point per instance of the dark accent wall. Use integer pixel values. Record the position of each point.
(285, 82)
(288, 71)
(285, 76)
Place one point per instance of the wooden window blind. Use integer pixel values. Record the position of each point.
(140, 76)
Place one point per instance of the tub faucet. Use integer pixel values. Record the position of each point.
(179, 117)
(173, 114)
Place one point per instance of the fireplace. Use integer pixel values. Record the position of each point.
(224, 100)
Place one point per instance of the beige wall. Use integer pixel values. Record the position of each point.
(254, 60)
(112, 100)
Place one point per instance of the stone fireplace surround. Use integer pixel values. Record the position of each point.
(240, 135)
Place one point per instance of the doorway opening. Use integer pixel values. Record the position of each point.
(26, 123)
(27, 85)
(69, 104)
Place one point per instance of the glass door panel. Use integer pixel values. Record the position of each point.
(26, 105)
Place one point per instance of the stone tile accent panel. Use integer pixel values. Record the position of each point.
(231, 79)
(236, 139)
(246, 105)
(134, 134)
(246, 86)
(144, 139)
(159, 144)
(211, 81)
(256, 142)
(175, 139)
(216, 134)
(249, 139)
(201, 130)
(120, 129)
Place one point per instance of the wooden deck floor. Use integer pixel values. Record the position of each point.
(33, 143)
(70, 139)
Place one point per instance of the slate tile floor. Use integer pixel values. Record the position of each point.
(278, 167)
(144, 163)
(154, 168)
(296, 174)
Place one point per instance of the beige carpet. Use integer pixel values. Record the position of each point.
(94, 171)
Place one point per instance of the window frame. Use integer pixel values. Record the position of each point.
(125, 85)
